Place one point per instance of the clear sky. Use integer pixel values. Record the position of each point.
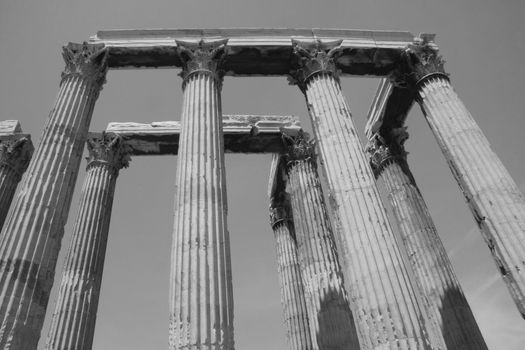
(483, 42)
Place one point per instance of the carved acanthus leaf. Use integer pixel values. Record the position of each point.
(299, 148)
(108, 149)
(202, 56)
(16, 154)
(86, 60)
(420, 61)
(386, 148)
(280, 209)
(313, 57)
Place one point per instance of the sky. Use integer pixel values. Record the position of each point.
(482, 41)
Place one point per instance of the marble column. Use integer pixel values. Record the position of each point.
(495, 200)
(442, 295)
(73, 323)
(329, 315)
(15, 154)
(33, 230)
(201, 299)
(293, 299)
(376, 278)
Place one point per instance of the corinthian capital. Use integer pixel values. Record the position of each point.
(299, 148)
(313, 57)
(109, 150)
(86, 60)
(420, 61)
(280, 209)
(387, 147)
(202, 57)
(16, 154)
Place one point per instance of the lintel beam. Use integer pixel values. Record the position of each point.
(10, 130)
(389, 108)
(242, 134)
(257, 51)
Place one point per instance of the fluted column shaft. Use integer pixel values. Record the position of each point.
(14, 159)
(330, 318)
(298, 332)
(73, 323)
(492, 195)
(201, 300)
(31, 236)
(495, 200)
(443, 297)
(382, 296)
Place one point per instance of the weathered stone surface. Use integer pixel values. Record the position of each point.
(201, 297)
(10, 127)
(241, 133)
(298, 332)
(330, 318)
(15, 153)
(389, 108)
(497, 204)
(256, 51)
(446, 306)
(33, 230)
(376, 278)
(73, 322)
(292, 286)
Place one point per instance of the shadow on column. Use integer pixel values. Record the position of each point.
(452, 316)
(333, 309)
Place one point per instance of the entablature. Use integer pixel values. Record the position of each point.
(258, 51)
(389, 108)
(242, 134)
(11, 130)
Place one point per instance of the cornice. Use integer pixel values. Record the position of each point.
(257, 51)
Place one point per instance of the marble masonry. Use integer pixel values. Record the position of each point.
(345, 281)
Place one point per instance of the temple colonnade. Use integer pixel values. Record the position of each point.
(345, 283)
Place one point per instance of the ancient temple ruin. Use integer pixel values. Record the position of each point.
(344, 281)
